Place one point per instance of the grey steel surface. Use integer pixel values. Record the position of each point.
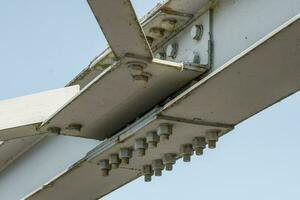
(279, 50)
(121, 28)
(114, 99)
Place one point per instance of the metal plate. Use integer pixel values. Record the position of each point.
(238, 77)
(257, 78)
(121, 27)
(187, 6)
(114, 99)
(93, 186)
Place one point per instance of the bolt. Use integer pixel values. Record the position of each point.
(140, 146)
(147, 172)
(114, 161)
(169, 160)
(197, 32)
(55, 130)
(186, 151)
(141, 80)
(199, 144)
(168, 24)
(150, 40)
(164, 131)
(125, 154)
(156, 33)
(105, 167)
(152, 139)
(157, 166)
(76, 127)
(211, 138)
(172, 50)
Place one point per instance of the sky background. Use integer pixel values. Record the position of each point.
(44, 44)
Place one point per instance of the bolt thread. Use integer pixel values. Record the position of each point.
(169, 166)
(212, 144)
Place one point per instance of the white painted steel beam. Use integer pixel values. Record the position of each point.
(257, 78)
(115, 98)
(121, 27)
(20, 117)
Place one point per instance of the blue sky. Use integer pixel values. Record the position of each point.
(44, 44)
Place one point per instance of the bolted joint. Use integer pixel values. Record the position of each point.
(140, 146)
(125, 154)
(152, 139)
(199, 145)
(164, 131)
(211, 138)
(114, 161)
(147, 172)
(169, 160)
(157, 166)
(105, 167)
(186, 151)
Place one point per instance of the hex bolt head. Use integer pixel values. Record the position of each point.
(199, 144)
(140, 146)
(156, 33)
(105, 167)
(168, 24)
(158, 166)
(211, 137)
(169, 160)
(147, 172)
(152, 139)
(172, 50)
(114, 161)
(186, 151)
(197, 32)
(54, 130)
(125, 154)
(164, 131)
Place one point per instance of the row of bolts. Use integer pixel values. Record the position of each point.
(152, 139)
